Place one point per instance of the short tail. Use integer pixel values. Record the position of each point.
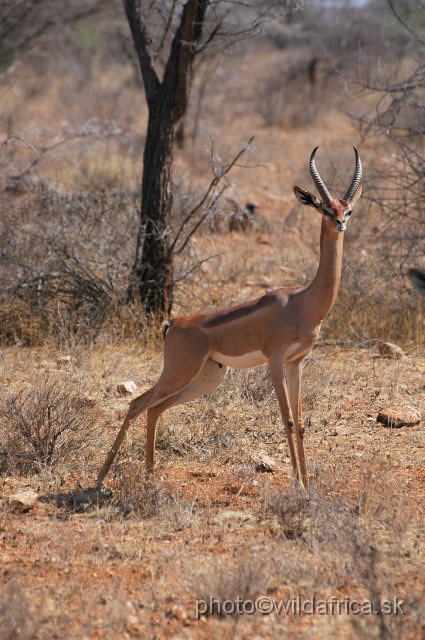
(165, 326)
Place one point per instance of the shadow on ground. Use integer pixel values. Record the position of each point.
(79, 500)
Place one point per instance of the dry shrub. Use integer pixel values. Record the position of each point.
(254, 385)
(318, 378)
(20, 619)
(374, 306)
(341, 539)
(246, 577)
(203, 435)
(141, 495)
(301, 79)
(387, 232)
(291, 506)
(381, 499)
(64, 267)
(244, 475)
(136, 493)
(384, 237)
(49, 424)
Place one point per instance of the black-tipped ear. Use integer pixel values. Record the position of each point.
(307, 198)
(418, 279)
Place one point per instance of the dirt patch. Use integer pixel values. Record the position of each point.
(133, 560)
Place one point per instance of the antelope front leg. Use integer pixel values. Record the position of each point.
(293, 372)
(278, 379)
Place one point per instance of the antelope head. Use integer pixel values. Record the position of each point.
(335, 212)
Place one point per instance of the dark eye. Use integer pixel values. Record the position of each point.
(328, 212)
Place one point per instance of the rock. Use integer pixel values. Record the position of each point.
(263, 462)
(89, 401)
(340, 431)
(127, 388)
(133, 626)
(263, 239)
(63, 360)
(23, 500)
(265, 282)
(390, 350)
(397, 417)
(177, 612)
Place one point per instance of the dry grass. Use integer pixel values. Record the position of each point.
(132, 560)
(206, 524)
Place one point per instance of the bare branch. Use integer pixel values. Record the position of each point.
(167, 30)
(405, 25)
(20, 14)
(198, 265)
(142, 42)
(90, 129)
(211, 187)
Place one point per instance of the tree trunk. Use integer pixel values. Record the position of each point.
(151, 279)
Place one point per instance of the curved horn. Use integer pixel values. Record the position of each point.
(324, 193)
(356, 178)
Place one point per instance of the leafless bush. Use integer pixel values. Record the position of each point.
(287, 97)
(387, 234)
(23, 24)
(292, 509)
(47, 425)
(354, 32)
(244, 579)
(244, 476)
(317, 379)
(203, 435)
(380, 500)
(139, 495)
(254, 385)
(136, 493)
(64, 267)
(323, 52)
(343, 539)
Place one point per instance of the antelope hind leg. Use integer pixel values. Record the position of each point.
(211, 375)
(169, 385)
(120, 437)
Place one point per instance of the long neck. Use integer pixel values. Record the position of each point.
(320, 296)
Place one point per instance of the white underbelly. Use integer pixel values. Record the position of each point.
(296, 351)
(246, 361)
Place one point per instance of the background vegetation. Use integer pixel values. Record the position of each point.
(130, 562)
(74, 123)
